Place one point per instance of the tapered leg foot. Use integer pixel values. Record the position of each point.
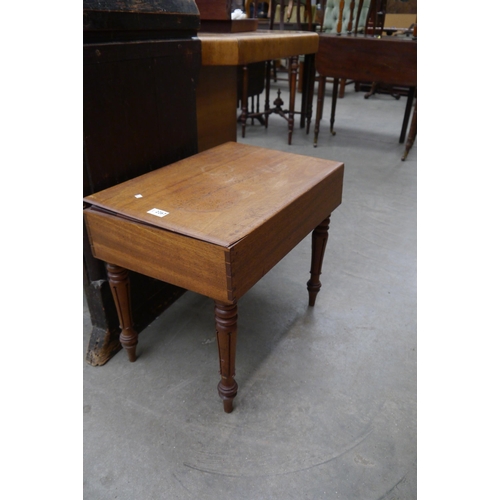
(319, 240)
(226, 316)
(120, 288)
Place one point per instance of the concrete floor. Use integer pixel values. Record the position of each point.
(327, 400)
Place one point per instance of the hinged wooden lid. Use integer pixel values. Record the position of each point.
(220, 195)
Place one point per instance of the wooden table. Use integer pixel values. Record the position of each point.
(214, 223)
(386, 60)
(216, 95)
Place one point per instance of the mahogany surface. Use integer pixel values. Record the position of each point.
(234, 212)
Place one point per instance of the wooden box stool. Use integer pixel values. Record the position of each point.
(214, 223)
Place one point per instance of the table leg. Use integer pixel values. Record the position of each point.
(293, 86)
(267, 107)
(120, 288)
(406, 117)
(244, 100)
(411, 135)
(319, 240)
(319, 106)
(226, 316)
(308, 91)
(334, 104)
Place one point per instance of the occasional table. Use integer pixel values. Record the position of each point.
(216, 93)
(214, 223)
(385, 60)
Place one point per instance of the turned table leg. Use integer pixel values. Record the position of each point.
(319, 239)
(120, 288)
(319, 107)
(334, 105)
(226, 325)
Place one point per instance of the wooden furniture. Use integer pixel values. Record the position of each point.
(141, 61)
(387, 60)
(215, 16)
(216, 94)
(296, 66)
(215, 224)
(348, 17)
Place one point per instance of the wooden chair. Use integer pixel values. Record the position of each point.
(346, 17)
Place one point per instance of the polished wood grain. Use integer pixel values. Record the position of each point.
(229, 215)
(234, 49)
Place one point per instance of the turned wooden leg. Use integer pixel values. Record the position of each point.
(319, 239)
(334, 104)
(319, 107)
(226, 326)
(120, 288)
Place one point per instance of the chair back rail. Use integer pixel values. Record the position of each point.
(345, 16)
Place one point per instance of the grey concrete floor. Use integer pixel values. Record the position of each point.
(327, 400)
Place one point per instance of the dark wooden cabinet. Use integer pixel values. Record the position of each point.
(140, 70)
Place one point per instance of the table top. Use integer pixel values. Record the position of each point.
(221, 195)
(233, 49)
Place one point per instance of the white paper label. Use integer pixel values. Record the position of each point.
(158, 212)
(138, 195)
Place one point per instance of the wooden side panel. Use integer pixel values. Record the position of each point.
(139, 109)
(368, 59)
(253, 256)
(216, 100)
(160, 254)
